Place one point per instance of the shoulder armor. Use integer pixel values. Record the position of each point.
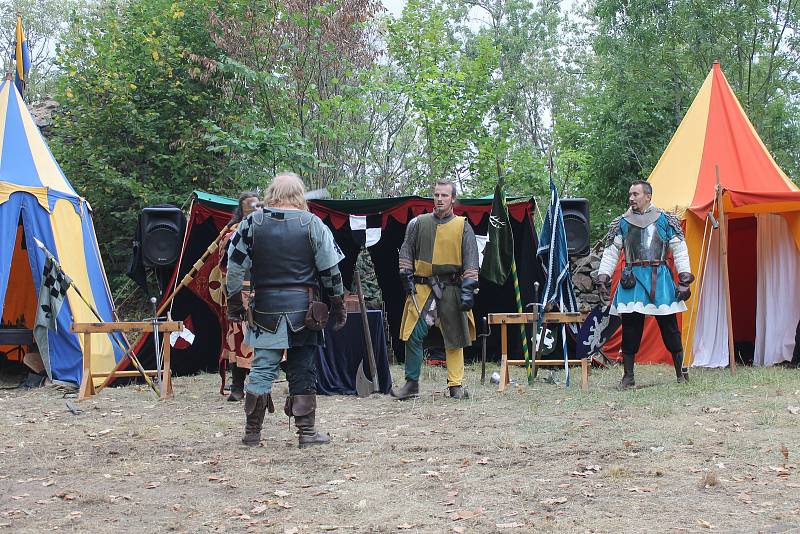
(613, 230)
(675, 222)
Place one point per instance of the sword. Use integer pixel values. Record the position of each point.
(156, 341)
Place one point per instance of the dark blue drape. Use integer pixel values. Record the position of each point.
(338, 359)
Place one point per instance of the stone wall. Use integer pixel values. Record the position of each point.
(584, 276)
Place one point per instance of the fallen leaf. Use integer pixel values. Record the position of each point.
(645, 489)
(785, 452)
(704, 524)
(558, 500)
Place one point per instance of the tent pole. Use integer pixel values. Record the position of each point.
(723, 258)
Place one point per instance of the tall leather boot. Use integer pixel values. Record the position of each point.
(304, 408)
(681, 373)
(237, 383)
(627, 378)
(254, 408)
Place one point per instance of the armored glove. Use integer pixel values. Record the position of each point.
(682, 292)
(469, 286)
(235, 307)
(407, 279)
(338, 312)
(604, 286)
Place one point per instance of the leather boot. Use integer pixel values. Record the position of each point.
(458, 392)
(409, 390)
(237, 383)
(627, 378)
(304, 409)
(254, 408)
(681, 373)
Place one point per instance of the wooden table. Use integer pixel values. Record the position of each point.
(87, 329)
(504, 319)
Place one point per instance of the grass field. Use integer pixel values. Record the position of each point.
(719, 454)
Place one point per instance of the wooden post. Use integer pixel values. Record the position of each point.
(87, 382)
(723, 258)
(585, 374)
(503, 357)
(166, 370)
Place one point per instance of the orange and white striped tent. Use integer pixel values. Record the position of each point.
(716, 144)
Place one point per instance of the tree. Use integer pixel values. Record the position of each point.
(44, 23)
(297, 68)
(130, 129)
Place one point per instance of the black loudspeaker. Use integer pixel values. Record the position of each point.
(161, 229)
(576, 225)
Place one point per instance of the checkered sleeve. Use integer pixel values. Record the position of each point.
(332, 281)
(240, 249)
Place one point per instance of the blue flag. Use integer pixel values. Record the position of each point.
(558, 289)
(553, 251)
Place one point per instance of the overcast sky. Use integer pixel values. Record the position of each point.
(395, 7)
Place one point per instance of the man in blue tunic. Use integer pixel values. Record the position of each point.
(646, 286)
(288, 250)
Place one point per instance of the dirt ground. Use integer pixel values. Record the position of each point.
(719, 454)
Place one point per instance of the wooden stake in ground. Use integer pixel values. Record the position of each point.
(723, 258)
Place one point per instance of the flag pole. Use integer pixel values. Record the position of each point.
(522, 330)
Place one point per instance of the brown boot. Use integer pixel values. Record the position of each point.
(237, 383)
(409, 390)
(627, 378)
(304, 408)
(254, 408)
(681, 372)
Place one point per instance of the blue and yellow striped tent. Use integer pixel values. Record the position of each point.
(38, 202)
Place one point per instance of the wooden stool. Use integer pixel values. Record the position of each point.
(504, 319)
(87, 329)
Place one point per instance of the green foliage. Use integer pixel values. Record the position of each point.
(161, 97)
(130, 130)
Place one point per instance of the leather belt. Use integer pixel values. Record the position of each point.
(654, 263)
(451, 280)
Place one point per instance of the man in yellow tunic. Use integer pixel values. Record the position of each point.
(439, 271)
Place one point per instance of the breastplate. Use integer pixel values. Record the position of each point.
(282, 251)
(644, 244)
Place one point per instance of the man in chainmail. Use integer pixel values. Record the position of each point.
(646, 233)
(439, 272)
